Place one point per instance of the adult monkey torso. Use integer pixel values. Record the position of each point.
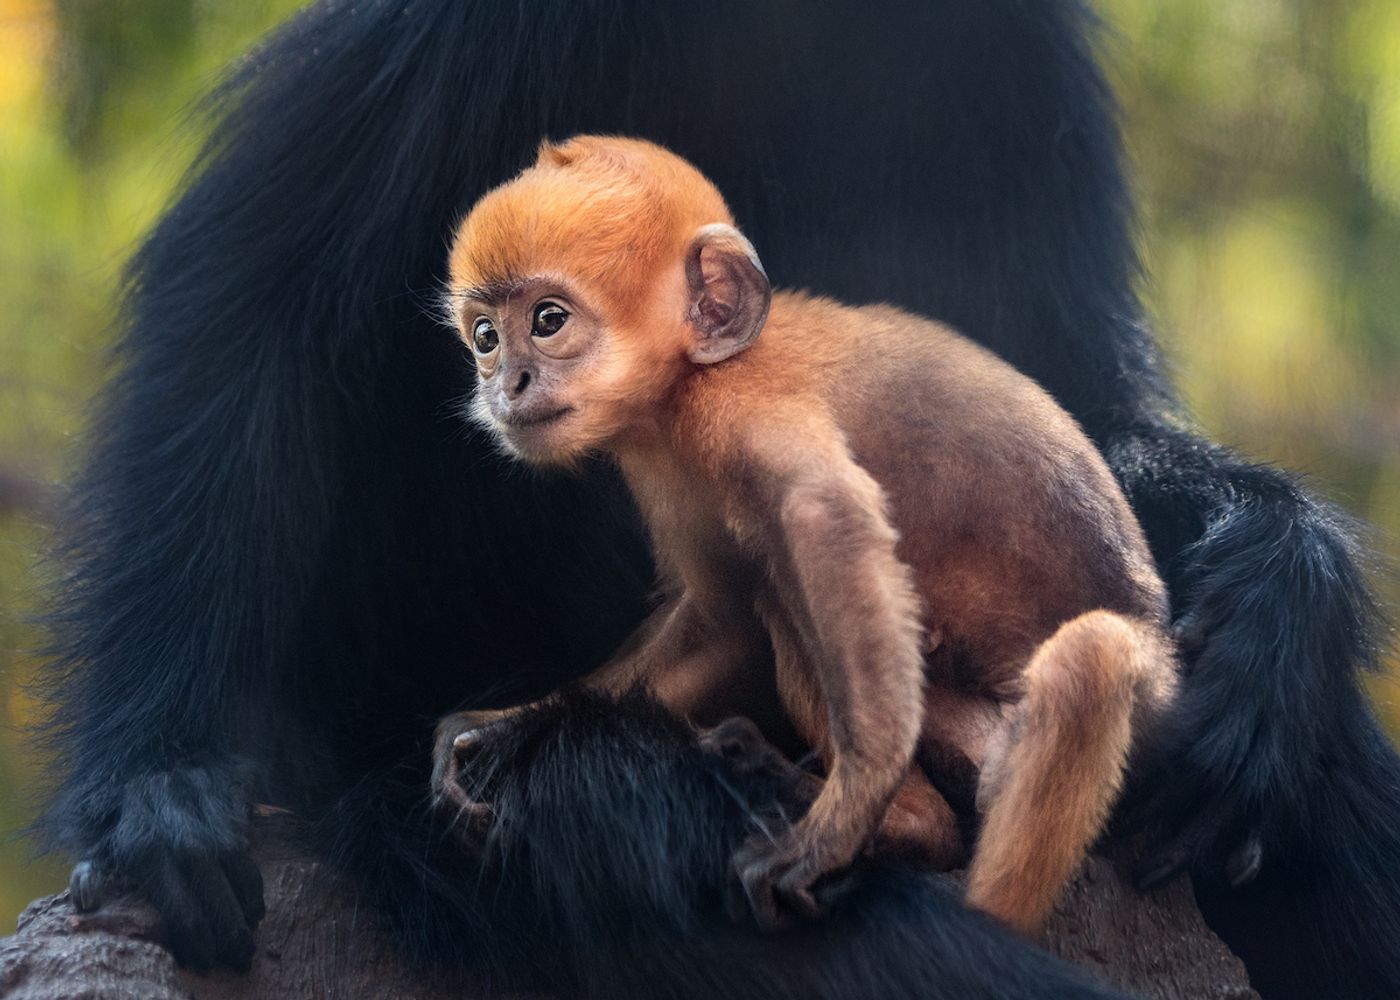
(865, 493)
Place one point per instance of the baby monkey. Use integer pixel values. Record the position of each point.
(912, 539)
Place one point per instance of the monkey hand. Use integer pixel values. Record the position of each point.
(178, 839)
(460, 740)
(1196, 812)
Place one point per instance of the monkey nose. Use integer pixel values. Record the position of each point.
(521, 383)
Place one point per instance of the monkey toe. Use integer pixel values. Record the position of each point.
(794, 894)
(772, 883)
(245, 878)
(752, 896)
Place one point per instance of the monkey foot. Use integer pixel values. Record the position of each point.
(461, 739)
(774, 881)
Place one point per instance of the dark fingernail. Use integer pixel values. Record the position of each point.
(1245, 863)
(85, 886)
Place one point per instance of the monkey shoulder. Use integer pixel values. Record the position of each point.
(841, 394)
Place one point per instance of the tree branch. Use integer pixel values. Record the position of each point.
(315, 941)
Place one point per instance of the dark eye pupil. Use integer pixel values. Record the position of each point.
(484, 338)
(548, 319)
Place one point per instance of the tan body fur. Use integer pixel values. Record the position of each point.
(935, 561)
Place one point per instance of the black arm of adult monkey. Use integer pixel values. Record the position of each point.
(1279, 789)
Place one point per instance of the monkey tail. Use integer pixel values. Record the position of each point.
(1047, 791)
(604, 879)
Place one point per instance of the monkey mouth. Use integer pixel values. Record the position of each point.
(531, 421)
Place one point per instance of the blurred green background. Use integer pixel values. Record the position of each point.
(1265, 137)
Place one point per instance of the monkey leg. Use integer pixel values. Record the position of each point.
(774, 877)
(920, 827)
(1055, 768)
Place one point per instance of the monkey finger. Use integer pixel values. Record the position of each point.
(1179, 851)
(225, 913)
(185, 916)
(470, 818)
(87, 886)
(246, 879)
(1164, 862)
(449, 794)
(740, 743)
(763, 903)
(830, 890)
(474, 822)
(458, 788)
(1157, 869)
(459, 739)
(1190, 632)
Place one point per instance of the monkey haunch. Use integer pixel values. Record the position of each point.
(930, 554)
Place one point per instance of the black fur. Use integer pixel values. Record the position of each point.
(288, 551)
(605, 878)
(1274, 738)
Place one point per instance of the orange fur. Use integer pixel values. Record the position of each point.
(919, 547)
(1048, 792)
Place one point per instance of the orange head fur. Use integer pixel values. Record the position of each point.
(606, 230)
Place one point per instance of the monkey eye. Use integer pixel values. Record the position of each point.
(484, 337)
(549, 317)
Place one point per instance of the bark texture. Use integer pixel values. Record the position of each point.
(315, 942)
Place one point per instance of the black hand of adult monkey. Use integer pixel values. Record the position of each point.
(1220, 834)
(456, 787)
(861, 504)
(196, 872)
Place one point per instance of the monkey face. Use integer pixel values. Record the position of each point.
(550, 370)
(586, 290)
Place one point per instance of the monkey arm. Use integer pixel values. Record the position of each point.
(694, 660)
(684, 654)
(852, 602)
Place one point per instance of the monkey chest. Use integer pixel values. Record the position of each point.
(698, 545)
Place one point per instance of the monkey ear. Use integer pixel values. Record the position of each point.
(729, 293)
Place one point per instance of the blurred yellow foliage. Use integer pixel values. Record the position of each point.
(26, 38)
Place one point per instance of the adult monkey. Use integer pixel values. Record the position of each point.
(266, 599)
